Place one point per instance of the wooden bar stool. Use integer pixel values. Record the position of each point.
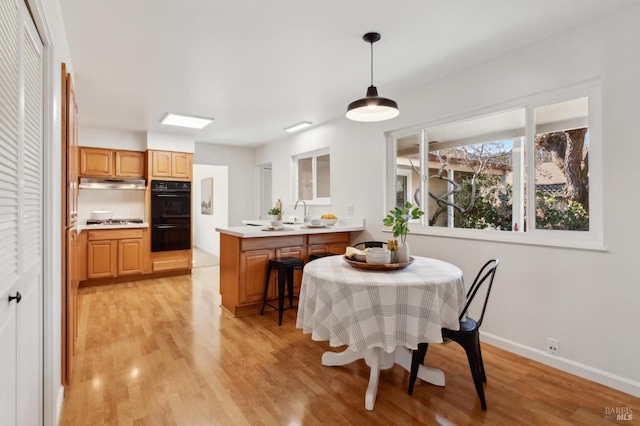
(285, 267)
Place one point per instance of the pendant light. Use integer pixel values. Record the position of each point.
(372, 107)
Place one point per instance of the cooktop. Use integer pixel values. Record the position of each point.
(113, 221)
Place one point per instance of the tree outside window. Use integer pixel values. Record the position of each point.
(477, 173)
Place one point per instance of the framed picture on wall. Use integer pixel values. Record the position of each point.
(206, 200)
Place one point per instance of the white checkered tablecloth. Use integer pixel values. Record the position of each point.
(365, 309)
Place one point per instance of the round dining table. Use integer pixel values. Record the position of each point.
(380, 315)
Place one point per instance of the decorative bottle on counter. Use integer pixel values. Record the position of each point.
(279, 207)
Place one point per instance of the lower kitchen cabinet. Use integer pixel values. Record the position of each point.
(102, 260)
(172, 260)
(327, 243)
(129, 256)
(113, 253)
(70, 306)
(244, 261)
(253, 272)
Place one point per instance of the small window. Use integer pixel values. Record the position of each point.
(313, 177)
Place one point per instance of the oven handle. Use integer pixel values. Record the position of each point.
(184, 195)
(171, 226)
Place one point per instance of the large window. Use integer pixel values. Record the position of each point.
(522, 173)
(313, 176)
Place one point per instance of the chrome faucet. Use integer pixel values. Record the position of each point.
(306, 218)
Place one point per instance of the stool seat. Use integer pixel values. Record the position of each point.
(315, 256)
(284, 267)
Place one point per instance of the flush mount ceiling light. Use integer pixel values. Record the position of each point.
(298, 126)
(372, 107)
(186, 121)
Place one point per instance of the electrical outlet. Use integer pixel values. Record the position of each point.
(553, 346)
(350, 209)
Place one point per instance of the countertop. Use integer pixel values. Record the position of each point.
(256, 228)
(85, 227)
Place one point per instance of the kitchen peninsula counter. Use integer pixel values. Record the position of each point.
(245, 252)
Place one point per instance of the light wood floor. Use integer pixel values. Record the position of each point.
(162, 352)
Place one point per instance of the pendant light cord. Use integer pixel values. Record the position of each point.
(371, 63)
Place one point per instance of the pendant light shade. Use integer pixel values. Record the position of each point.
(372, 107)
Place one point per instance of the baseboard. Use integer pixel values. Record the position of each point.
(581, 370)
(59, 401)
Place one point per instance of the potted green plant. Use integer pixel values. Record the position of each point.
(275, 213)
(276, 222)
(399, 219)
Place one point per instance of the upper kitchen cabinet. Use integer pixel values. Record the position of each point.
(167, 164)
(99, 162)
(129, 164)
(70, 161)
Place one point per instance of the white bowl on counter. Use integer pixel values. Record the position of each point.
(329, 222)
(378, 255)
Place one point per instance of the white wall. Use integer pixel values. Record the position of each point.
(242, 170)
(205, 236)
(123, 203)
(586, 299)
(170, 142)
(356, 169)
(114, 139)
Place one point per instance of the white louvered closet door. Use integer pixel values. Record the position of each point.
(21, 206)
(9, 215)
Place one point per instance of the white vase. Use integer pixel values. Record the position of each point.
(403, 251)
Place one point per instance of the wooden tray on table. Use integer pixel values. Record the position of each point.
(381, 267)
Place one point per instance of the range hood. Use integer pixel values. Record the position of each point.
(110, 183)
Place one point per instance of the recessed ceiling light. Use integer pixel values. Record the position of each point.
(186, 121)
(298, 126)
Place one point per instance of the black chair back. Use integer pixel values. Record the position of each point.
(368, 244)
(487, 272)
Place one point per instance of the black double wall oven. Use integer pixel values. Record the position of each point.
(170, 215)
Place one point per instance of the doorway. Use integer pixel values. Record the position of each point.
(210, 206)
(265, 190)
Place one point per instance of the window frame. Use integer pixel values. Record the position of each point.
(588, 240)
(317, 201)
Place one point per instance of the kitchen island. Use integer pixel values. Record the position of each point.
(245, 252)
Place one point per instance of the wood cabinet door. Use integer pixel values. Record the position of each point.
(129, 257)
(70, 152)
(96, 162)
(69, 305)
(297, 274)
(161, 163)
(253, 271)
(181, 165)
(318, 249)
(129, 164)
(338, 248)
(102, 259)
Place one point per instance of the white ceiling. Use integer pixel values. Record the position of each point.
(259, 66)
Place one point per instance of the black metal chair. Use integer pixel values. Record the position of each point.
(285, 267)
(468, 336)
(315, 256)
(367, 244)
